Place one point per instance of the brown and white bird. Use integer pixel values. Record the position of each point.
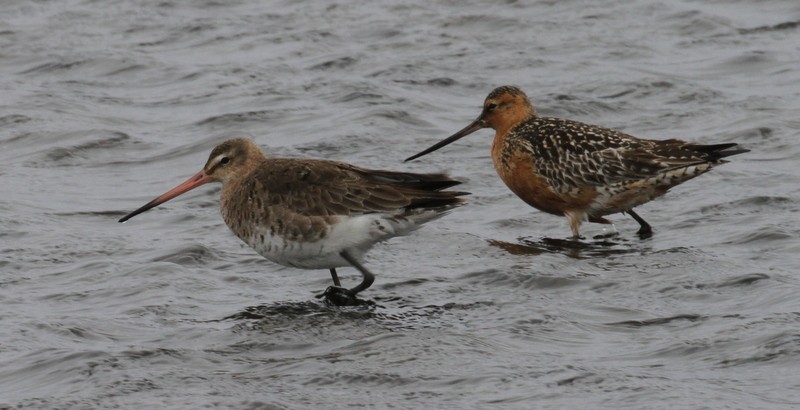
(316, 214)
(582, 171)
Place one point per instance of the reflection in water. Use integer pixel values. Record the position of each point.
(657, 321)
(573, 248)
(391, 308)
(305, 308)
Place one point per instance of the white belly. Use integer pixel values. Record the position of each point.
(356, 234)
(321, 254)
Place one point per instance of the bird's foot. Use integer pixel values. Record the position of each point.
(339, 296)
(645, 232)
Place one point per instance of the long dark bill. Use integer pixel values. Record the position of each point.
(195, 181)
(469, 129)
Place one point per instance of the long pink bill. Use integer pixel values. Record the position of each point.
(195, 181)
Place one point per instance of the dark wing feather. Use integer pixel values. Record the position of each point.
(326, 188)
(571, 154)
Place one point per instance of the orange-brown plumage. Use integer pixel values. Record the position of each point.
(578, 170)
(521, 177)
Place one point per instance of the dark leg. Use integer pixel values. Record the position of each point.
(368, 276)
(644, 228)
(340, 296)
(335, 278)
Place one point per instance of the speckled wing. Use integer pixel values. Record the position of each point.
(571, 155)
(327, 188)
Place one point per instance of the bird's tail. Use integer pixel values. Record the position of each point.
(413, 218)
(716, 152)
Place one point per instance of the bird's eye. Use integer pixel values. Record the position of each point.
(491, 106)
(224, 160)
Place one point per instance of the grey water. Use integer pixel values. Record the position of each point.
(106, 104)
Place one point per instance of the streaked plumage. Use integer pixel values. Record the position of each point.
(316, 214)
(578, 170)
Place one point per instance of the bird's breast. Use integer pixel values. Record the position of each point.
(516, 165)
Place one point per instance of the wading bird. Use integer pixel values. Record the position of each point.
(582, 171)
(316, 214)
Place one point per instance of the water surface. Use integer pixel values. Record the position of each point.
(107, 104)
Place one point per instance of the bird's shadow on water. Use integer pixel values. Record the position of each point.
(598, 247)
(310, 308)
(388, 312)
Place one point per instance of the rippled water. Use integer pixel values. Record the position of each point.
(106, 104)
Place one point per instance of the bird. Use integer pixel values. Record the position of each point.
(583, 171)
(316, 213)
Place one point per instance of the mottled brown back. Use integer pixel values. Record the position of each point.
(327, 188)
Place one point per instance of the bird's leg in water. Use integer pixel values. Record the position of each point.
(645, 230)
(340, 296)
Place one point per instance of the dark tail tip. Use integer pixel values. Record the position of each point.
(438, 199)
(714, 152)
